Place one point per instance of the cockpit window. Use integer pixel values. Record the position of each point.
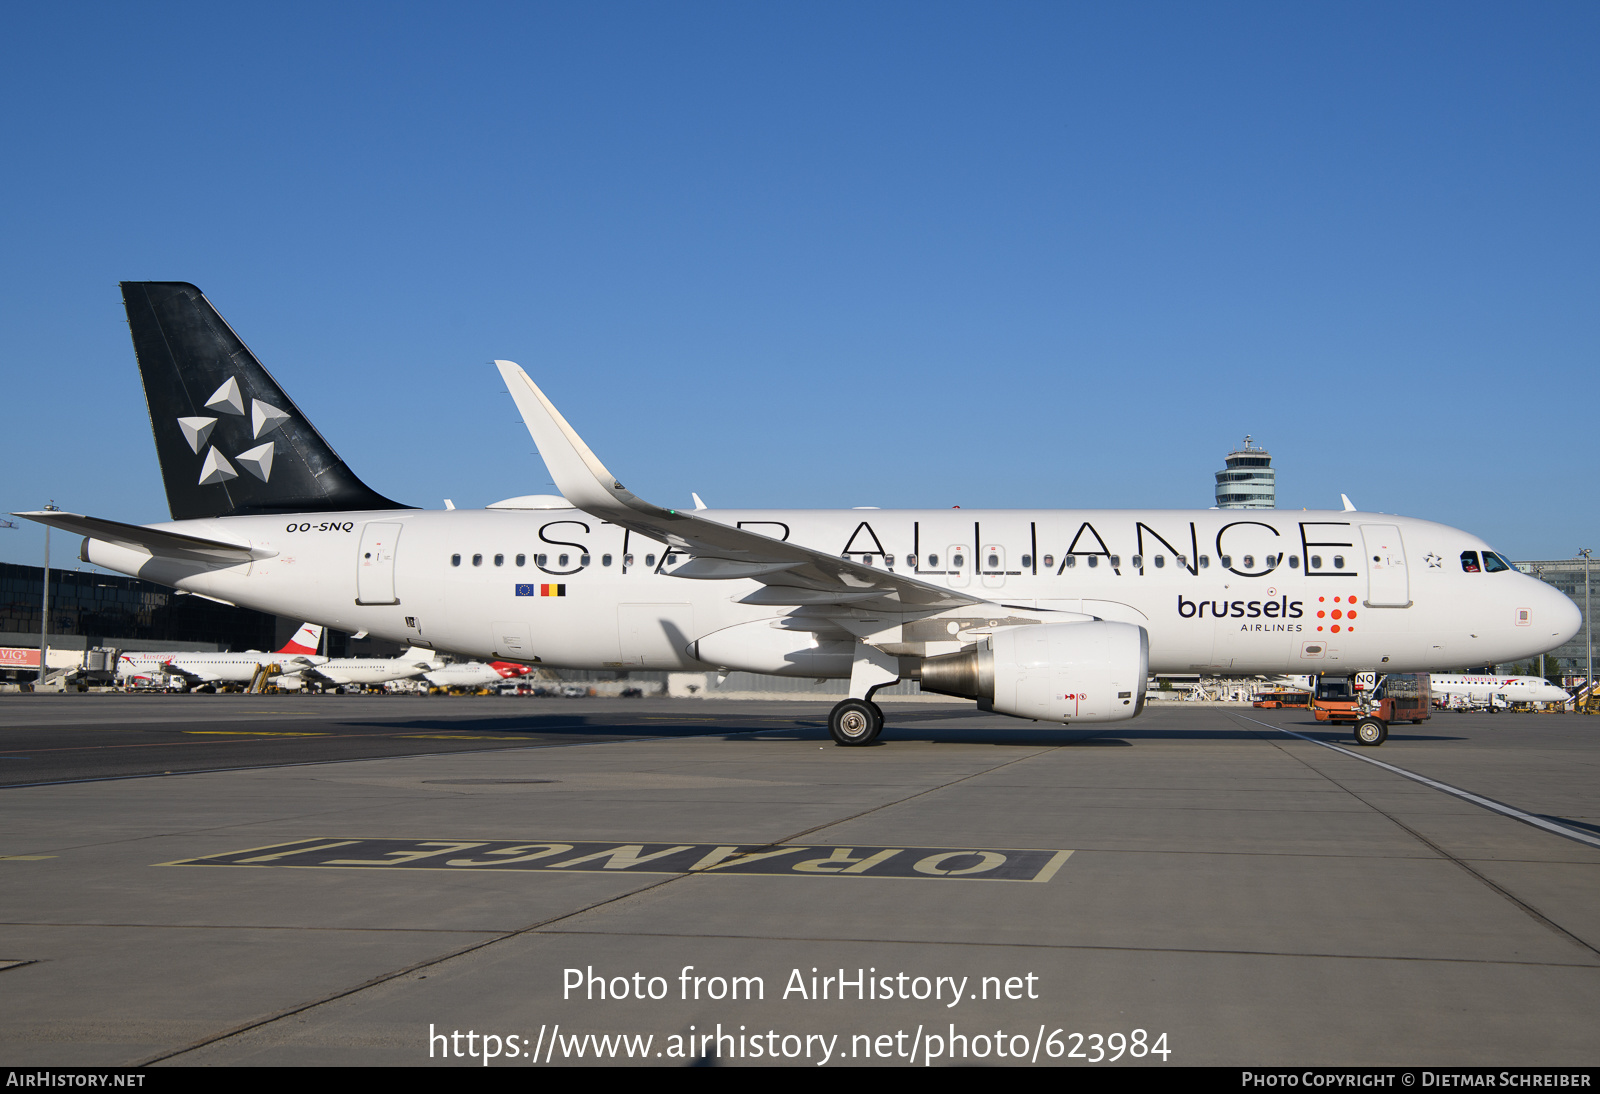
(1469, 561)
(1493, 563)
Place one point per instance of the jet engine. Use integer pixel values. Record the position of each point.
(1052, 672)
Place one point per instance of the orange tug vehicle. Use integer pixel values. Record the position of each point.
(1370, 702)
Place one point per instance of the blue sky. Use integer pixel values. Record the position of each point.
(827, 254)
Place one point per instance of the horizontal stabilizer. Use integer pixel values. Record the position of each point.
(155, 540)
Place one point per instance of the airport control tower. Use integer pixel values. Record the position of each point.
(1248, 482)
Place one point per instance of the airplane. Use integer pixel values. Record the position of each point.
(475, 674)
(1515, 689)
(206, 670)
(374, 670)
(1058, 616)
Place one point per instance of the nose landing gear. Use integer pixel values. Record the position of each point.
(1371, 731)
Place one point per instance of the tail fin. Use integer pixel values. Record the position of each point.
(308, 639)
(229, 439)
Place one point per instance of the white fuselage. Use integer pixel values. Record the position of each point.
(473, 674)
(210, 668)
(370, 670)
(1514, 689)
(1217, 591)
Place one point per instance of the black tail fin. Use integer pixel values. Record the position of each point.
(229, 439)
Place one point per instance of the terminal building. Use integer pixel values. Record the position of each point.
(1571, 659)
(1248, 480)
(89, 609)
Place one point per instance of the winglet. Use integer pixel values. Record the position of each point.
(1349, 506)
(578, 472)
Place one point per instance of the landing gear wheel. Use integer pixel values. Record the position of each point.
(1371, 731)
(855, 722)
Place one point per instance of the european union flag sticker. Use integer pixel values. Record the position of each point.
(527, 590)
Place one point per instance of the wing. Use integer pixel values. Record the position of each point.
(790, 573)
(193, 673)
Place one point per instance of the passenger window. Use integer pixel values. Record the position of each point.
(1094, 560)
(627, 560)
(1249, 562)
(499, 560)
(522, 560)
(562, 561)
(1161, 560)
(1070, 561)
(1294, 562)
(958, 561)
(1205, 560)
(1316, 562)
(1226, 560)
(1338, 562)
(477, 560)
(540, 560)
(605, 560)
(1136, 561)
(1493, 563)
(994, 560)
(650, 560)
(583, 560)
(455, 560)
(933, 560)
(1049, 561)
(1116, 560)
(1027, 560)
(911, 560)
(888, 560)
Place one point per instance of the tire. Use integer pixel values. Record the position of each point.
(855, 722)
(1371, 731)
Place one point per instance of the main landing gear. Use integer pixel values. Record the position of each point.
(855, 722)
(1371, 731)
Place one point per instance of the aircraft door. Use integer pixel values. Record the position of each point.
(992, 565)
(958, 567)
(375, 564)
(1388, 582)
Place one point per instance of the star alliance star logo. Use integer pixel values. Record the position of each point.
(1433, 561)
(264, 418)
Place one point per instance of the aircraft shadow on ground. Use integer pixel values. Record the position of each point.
(914, 728)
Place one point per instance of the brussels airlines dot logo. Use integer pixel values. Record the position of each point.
(1330, 616)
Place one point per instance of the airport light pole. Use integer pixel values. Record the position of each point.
(1588, 624)
(44, 619)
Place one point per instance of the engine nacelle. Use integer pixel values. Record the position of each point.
(1054, 672)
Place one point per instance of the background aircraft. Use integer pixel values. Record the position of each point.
(206, 669)
(474, 674)
(375, 670)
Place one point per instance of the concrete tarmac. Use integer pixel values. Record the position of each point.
(1234, 894)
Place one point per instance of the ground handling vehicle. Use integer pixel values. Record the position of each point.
(1369, 702)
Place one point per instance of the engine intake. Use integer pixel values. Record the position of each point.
(1055, 672)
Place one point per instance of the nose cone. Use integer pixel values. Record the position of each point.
(1560, 616)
